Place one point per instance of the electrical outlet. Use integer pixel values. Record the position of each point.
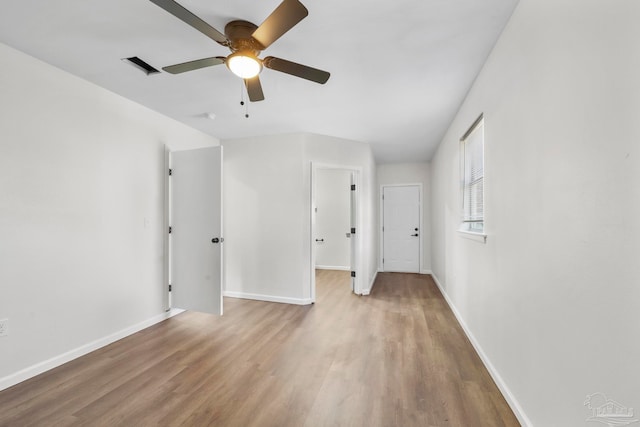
(4, 327)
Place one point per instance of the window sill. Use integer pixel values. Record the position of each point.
(478, 237)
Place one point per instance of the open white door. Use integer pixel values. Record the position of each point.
(353, 222)
(196, 229)
(401, 228)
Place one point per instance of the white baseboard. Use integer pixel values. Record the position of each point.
(333, 267)
(373, 281)
(54, 362)
(426, 272)
(511, 400)
(267, 298)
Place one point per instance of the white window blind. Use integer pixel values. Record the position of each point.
(473, 178)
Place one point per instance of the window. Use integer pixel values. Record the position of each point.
(472, 145)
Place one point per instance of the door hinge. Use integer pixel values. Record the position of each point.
(169, 288)
(353, 187)
(170, 230)
(170, 172)
(353, 231)
(353, 274)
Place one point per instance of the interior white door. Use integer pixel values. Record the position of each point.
(196, 229)
(353, 220)
(401, 228)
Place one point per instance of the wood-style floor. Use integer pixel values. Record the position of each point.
(394, 358)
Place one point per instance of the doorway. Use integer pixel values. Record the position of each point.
(401, 214)
(333, 219)
(335, 222)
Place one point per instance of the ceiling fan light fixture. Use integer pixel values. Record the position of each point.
(244, 65)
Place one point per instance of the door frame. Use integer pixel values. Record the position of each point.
(356, 265)
(381, 216)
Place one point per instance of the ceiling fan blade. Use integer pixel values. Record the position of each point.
(254, 89)
(297, 70)
(194, 65)
(281, 20)
(181, 13)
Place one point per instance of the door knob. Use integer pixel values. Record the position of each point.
(414, 235)
(217, 240)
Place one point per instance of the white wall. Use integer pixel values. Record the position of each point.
(81, 212)
(267, 196)
(333, 219)
(553, 297)
(262, 192)
(410, 173)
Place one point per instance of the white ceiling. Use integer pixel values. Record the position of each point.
(399, 68)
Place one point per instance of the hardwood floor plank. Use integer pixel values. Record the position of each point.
(395, 358)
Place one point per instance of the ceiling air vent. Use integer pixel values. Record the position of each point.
(141, 65)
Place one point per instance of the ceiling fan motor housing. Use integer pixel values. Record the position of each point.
(240, 40)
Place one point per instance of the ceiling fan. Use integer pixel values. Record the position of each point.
(246, 41)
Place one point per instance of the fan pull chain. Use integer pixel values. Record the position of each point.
(242, 99)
